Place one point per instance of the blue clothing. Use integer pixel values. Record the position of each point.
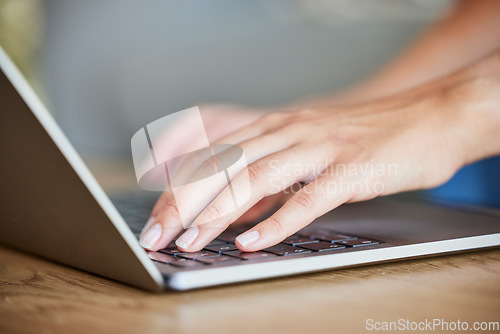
(477, 184)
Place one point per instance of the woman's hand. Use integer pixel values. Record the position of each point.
(412, 141)
(219, 120)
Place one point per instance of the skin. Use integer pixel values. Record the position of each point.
(416, 129)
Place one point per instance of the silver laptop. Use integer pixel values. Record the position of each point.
(52, 206)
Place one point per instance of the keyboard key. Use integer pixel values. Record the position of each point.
(312, 232)
(222, 248)
(285, 250)
(358, 242)
(334, 237)
(297, 240)
(232, 232)
(171, 250)
(163, 258)
(184, 263)
(197, 255)
(249, 255)
(217, 242)
(325, 235)
(322, 246)
(218, 259)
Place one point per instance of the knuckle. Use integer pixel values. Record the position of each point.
(278, 227)
(164, 217)
(170, 209)
(191, 160)
(302, 200)
(207, 165)
(211, 213)
(256, 172)
(164, 198)
(219, 161)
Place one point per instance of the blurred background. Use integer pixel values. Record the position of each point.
(107, 68)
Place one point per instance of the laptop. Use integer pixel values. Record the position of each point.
(52, 206)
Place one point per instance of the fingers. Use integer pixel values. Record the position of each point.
(191, 194)
(312, 201)
(223, 156)
(171, 215)
(199, 163)
(265, 179)
(163, 225)
(222, 211)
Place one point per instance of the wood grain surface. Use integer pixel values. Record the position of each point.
(38, 296)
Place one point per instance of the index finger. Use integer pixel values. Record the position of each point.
(312, 201)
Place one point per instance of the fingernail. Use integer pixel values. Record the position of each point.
(148, 224)
(188, 237)
(248, 238)
(150, 238)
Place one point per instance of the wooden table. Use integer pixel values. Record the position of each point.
(38, 296)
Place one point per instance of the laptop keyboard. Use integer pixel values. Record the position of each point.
(221, 251)
(312, 241)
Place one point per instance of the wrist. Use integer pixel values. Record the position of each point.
(474, 100)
